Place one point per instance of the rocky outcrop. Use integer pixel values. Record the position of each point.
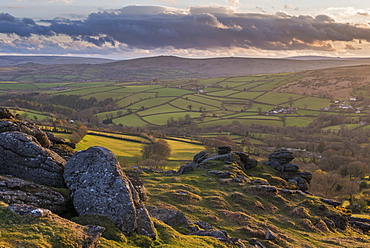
(360, 223)
(221, 235)
(281, 156)
(5, 114)
(340, 220)
(331, 202)
(89, 235)
(99, 187)
(59, 141)
(270, 235)
(170, 217)
(24, 209)
(223, 150)
(227, 158)
(280, 161)
(187, 168)
(22, 156)
(246, 162)
(225, 155)
(222, 174)
(27, 128)
(17, 191)
(198, 158)
(203, 225)
(138, 185)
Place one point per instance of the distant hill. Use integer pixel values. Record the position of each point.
(232, 66)
(160, 67)
(49, 60)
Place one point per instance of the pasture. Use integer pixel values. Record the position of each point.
(125, 151)
(128, 152)
(213, 101)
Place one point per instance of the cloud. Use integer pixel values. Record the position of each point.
(49, 1)
(24, 27)
(12, 7)
(214, 9)
(168, 1)
(234, 2)
(200, 28)
(290, 7)
(348, 13)
(363, 13)
(62, 1)
(352, 47)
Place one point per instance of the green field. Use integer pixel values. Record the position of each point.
(274, 123)
(148, 103)
(88, 84)
(159, 109)
(211, 81)
(230, 84)
(172, 92)
(124, 150)
(234, 98)
(299, 121)
(31, 114)
(161, 119)
(185, 104)
(222, 93)
(277, 98)
(246, 95)
(91, 90)
(257, 106)
(311, 103)
(130, 98)
(131, 120)
(138, 88)
(104, 95)
(205, 100)
(183, 150)
(121, 136)
(17, 86)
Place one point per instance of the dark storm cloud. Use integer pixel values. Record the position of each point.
(150, 27)
(24, 28)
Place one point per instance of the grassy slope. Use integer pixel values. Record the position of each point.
(54, 231)
(243, 212)
(246, 213)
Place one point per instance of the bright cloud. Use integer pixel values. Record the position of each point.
(199, 29)
(234, 2)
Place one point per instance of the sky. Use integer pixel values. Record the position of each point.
(122, 29)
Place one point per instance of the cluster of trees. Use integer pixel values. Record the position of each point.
(79, 133)
(156, 154)
(75, 102)
(62, 106)
(325, 120)
(211, 144)
(180, 122)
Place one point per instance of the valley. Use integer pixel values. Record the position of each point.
(318, 110)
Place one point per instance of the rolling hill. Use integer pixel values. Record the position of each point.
(49, 60)
(161, 67)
